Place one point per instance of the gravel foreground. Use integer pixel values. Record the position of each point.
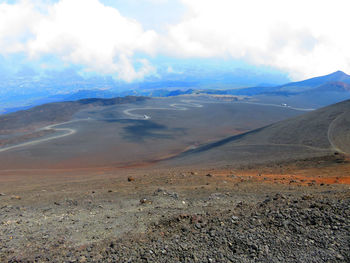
(281, 228)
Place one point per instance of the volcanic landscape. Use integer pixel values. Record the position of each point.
(189, 178)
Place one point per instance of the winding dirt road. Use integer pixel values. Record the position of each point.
(67, 132)
(276, 105)
(175, 106)
(183, 106)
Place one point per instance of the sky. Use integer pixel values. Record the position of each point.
(127, 39)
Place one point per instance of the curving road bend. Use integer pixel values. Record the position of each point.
(67, 132)
(175, 106)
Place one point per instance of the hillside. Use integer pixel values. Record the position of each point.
(318, 133)
(45, 114)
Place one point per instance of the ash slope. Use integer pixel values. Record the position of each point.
(120, 136)
(318, 133)
(27, 120)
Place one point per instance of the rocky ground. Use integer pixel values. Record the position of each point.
(145, 215)
(279, 229)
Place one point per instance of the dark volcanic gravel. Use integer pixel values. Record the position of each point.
(309, 228)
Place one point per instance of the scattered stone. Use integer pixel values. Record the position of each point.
(166, 193)
(212, 233)
(2, 194)
(216, 196)
(235, 218)
(145, 201)
(306, 197)
(131, 179)
(184, 229)
(16, 197)
(285, 227)
(209, 175)
(72, 202)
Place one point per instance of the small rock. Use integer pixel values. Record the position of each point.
(16, 197)
(2, 194)
(198, 225)
(174, 195)
(196, 219)
(131, 179)
(72, 202)
(212, 233)
(209, 175)
(306, 197)
(235, 218)
(184, 229)
(145, 201)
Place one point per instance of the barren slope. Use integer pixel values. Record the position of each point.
(129, 134)
(317, 133)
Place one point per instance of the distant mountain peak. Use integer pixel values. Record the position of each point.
(339, 73)
(338, 76)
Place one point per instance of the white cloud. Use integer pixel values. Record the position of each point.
(89, 33)
(302, 37)
(126, 68)
(15, 26)
(79, 31)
